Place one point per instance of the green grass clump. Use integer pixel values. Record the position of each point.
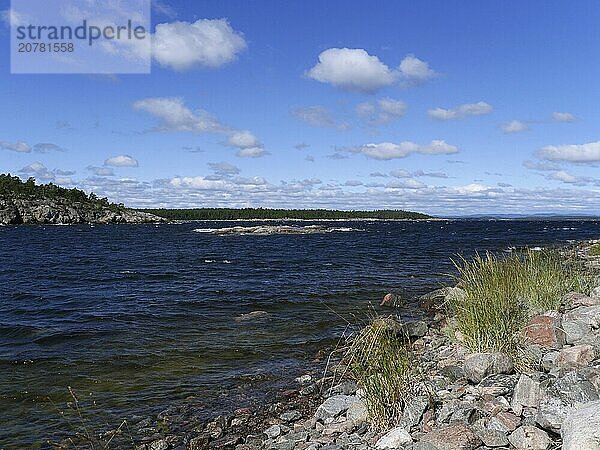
(501, 293)
(594, 250)
(383, 367)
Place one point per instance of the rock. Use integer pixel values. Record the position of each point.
(549, 361)
(579, 322)
(413, 412)
(334, 406)
(357, 412)
(581, 428)
(574, 387)
(492, 438)
(504, 421)
(551, 413)
(527, 393)
(254, 315)
(454, 294)
(575, 299)
(416, 329)
(347, 387)
(273, 431)
(457, 436)
(390, 300)
(291, 416)
(498, 384)
(529, 438)
(574, 357)
(545, 330)
(397, 438)
(433, 299)
(595, 292)
(479, 365)
(199, 442)
(161, 444)
(304, 379)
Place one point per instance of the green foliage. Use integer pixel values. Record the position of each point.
(501, 293)
(262, 213)
(14, 187)
(383, 367)
(594, 250)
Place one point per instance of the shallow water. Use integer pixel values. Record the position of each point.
(138, 317)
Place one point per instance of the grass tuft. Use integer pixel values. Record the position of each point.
(501, 293)
(383, 366)
(594, 250)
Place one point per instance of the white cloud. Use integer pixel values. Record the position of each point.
(382, 111)
(563, 176)
(543, 166)
(251, 152)
(409, 183)
(576, 153)
(388, 150)
(20, 147)
(514, 126)
(354, 69)
(101, 171)
(204, 43)
(175, 116)
(318, 116)
(461, 111)
(242, 139)
(197, 183)
(121, 161)
(224, 168)
(563, 117)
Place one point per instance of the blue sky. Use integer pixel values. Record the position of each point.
(446, 107)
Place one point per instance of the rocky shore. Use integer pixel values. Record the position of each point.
(59, 211)
(268, 230)
(461, 400)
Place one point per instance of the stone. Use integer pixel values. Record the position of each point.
(397, 438)
(504, 421)
(595, 292)
(479, 365)
(415, 329)
(357, 412)
(291, 416)
(303, 379)
(574, 387)
(413, 411)
(456, 436)
(581, 428)
(273, 431)
(544, 330)
(551, 413)
(334, 406)
(579, 322)
(161, 444)
(529, 438)
(498, 384)
(492, 438)
(347, 387)
(390, 300)
(527, 393)
(549, 361)
(574, 357)
(575, 299)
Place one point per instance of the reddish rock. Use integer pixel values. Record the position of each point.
(390, 300)
(545, 330)
(574, 357)
(457, 436)
(504, 421)
(575, 299)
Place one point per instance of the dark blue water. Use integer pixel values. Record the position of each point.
(138, 317)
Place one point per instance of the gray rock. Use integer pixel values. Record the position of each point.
(498, 384)
(551, 413)
(479, 365)
(527, 393)
(415, 329)
(529, 438)
(161, 444)
(457, 436)
(581, 428)
(595, 292)
(397, 438)
(492, 438)
(357, 412)
(334, 406)
(549, 361)
(347, 387)
(579, 322)
(273, 431)
(574, 388)
(413, 412)
(291, 416)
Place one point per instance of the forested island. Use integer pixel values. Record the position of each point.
(25, 202)
(281, 214)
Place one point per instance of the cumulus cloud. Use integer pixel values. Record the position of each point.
(575, 153)
(514, 126)
(121, 161)
(318, 116)
(251, 152)
(20, 147)
(381, 112)
(563, 117)
(388, 150)
(354, 69)
(41, 173)
(224, 168)
(204, 43)
(175, 116)
(461, 111)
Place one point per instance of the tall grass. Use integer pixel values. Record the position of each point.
(383, 366)
(501, 293)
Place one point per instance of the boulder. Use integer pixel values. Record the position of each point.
(575, 299)
(413, 412)
(479, 365)
(397, 438)
(579, 323)
(357, 412)
(544, 330)
(504, 421)
(492, 438)
(551, 413)
(456, 436)
(574, 357)
(581, 428)
(529, 438)
(334, 406)
(527, 393)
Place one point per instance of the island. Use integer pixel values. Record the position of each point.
(25, 202)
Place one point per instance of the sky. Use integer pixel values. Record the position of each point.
(444, 107)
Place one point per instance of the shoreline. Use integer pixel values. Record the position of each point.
(479, 398)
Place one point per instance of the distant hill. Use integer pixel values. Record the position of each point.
(264, 213)
(27, 202)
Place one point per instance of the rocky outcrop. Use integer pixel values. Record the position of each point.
(15, 211)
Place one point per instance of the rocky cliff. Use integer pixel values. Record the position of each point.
(60, 211)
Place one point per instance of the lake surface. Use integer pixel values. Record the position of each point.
(139, 317)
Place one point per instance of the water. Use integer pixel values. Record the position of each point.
(138, 317)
